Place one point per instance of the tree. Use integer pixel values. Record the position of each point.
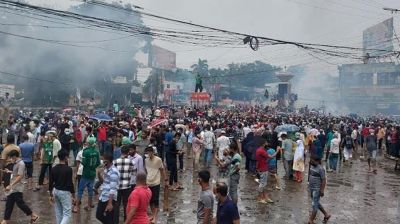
(200, 68)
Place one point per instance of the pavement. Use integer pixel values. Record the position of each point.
(352, 195)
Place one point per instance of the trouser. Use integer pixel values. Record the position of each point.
(333, 160)
(388, 147)
(75, 149)
(43, 169)
(380, 143)
(247, 164)
(199, 87)
(7, 176)
(101, 147)
(180, 157)
(85, 183)
(316, 205)
(63, 205)
(207, 157)
(394, 151)
(253, 164)
(328, 149)
(161, 150)
(123, 196)
(288, 165)
(103, 216)
(233, 186)
(11, 200)
(173, 174)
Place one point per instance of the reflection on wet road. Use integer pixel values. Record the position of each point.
(352, 196)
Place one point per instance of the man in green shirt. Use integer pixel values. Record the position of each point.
(90, 162)
(199, 84)
(46, 156)
(234, 169)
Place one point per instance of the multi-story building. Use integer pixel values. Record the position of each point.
(370, 88)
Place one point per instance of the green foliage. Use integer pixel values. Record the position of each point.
(200, 68)
(255, 74)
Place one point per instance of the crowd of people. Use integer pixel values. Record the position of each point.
(129, 157)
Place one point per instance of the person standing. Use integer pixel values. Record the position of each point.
(209, 142)
(348, 146)
(262, 169)
(317, 185)
(56, 147)
(90, 161)
(234, 175)
(172, 163)
(139, 201)
(27, 153)
(197, 144)
(227, 211)
(334, 153)
(61, 188)
(223, 143)
(205, 203)
(372, 147)
(298, 164)
(102, 136)
(14, 190)
(155, 171)
(287, 146)
(5, 162)
(137, 162)
(125, 169)
(181, 145)
(46, 158)
(108, 197)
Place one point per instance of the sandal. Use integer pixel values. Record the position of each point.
(34, 220)
(326, 218)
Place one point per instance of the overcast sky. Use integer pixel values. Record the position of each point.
(338, 22)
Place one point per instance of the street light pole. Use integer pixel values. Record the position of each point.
(392, 10)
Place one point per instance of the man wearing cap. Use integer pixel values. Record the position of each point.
(90, 161)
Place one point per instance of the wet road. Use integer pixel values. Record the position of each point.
(352, 196)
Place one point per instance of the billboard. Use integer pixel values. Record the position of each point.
(162, 58)
(377, 40)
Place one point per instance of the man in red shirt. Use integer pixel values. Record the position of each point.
(102, 136)
(262, 169)
(139, 201)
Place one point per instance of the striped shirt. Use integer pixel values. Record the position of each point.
(110, 184)
(125, 169)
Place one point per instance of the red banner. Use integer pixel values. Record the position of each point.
(200, 97)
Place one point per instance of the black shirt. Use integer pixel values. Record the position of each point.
(61, 178)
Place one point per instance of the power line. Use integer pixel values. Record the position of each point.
(33, 78)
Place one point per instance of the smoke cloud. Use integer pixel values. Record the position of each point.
(87, 59)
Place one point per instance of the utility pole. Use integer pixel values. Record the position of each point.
(392, 10)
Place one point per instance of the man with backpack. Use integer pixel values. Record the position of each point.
(348, 146)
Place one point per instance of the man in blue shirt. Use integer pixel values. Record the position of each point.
(108, 198)
(27, 152)
(227, 211)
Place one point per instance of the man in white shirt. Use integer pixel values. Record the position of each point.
(246, 130)
(56, 148)
(209, 141)
(223, 143)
